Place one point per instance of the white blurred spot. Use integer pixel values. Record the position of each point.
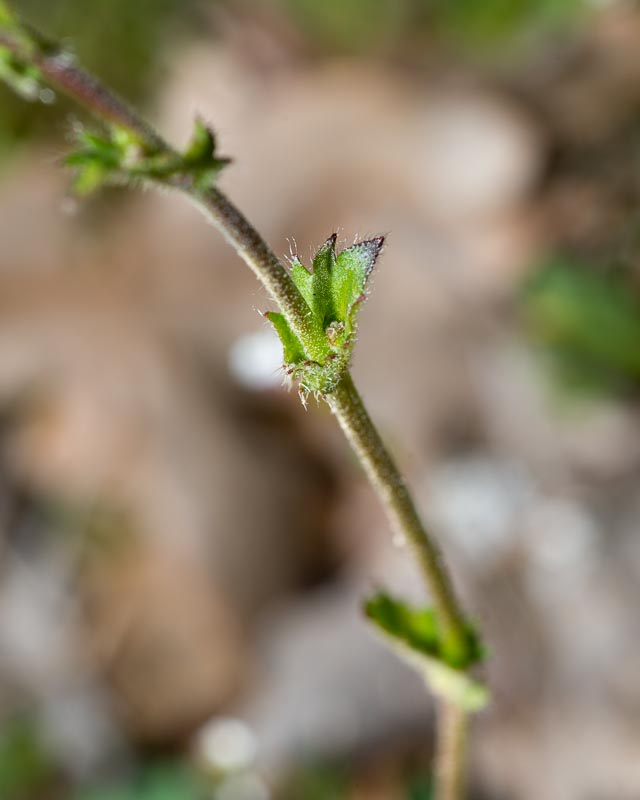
(478, 501)
(64, 59)
(479, 155)
(255, 360)
(47, 96)
(69, 206)
(399, 540)
(561, 534)
(227, 745)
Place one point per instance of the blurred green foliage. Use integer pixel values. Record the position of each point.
(126, 43)
(361, 25)
(355, 26)
(156, 781)
(318, 782)
(495, 21)
(589, 321)
(25, 766)
(177, 781)
(335, 782)
(420, 789)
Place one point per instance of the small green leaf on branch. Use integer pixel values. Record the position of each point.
(322, 280)
(20, 76)
(303, 279)
(415, 635)
(200, 158)
(16, 70)
(96, 161)
(354, 266)
(293, 350)
(120, 156)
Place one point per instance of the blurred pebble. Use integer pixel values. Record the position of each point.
(226, 745)
(255, 360)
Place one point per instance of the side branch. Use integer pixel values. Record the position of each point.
(59, 69)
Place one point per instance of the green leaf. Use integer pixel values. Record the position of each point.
(200, 157)
(414, 634)
(202, 147)
(323, 265)
(353, 267)
(23, 78)
(303, 280)
(89, 177)
(95, 162)
(417, 627)
(120, 155)
(293, 350)
(95, 147)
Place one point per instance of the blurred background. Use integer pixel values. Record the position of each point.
(183, 550)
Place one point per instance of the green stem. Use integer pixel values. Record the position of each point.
(450, 752)
(60, 70)
(392, 490)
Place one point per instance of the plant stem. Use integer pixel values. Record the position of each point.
(255, 252)
(61, 71)
(450, 751)
(391, 488)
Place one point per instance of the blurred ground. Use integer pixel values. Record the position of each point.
(184, 550)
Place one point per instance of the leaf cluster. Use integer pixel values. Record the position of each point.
(120, 156)
(333, 293)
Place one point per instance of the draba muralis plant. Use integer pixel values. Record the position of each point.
(316, 322)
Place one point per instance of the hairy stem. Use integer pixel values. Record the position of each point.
(61, 71)
(450, 751)
(255, 252)
(392, 490)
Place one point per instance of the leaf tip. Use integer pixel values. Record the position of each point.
(329, 244)
(373, 246)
